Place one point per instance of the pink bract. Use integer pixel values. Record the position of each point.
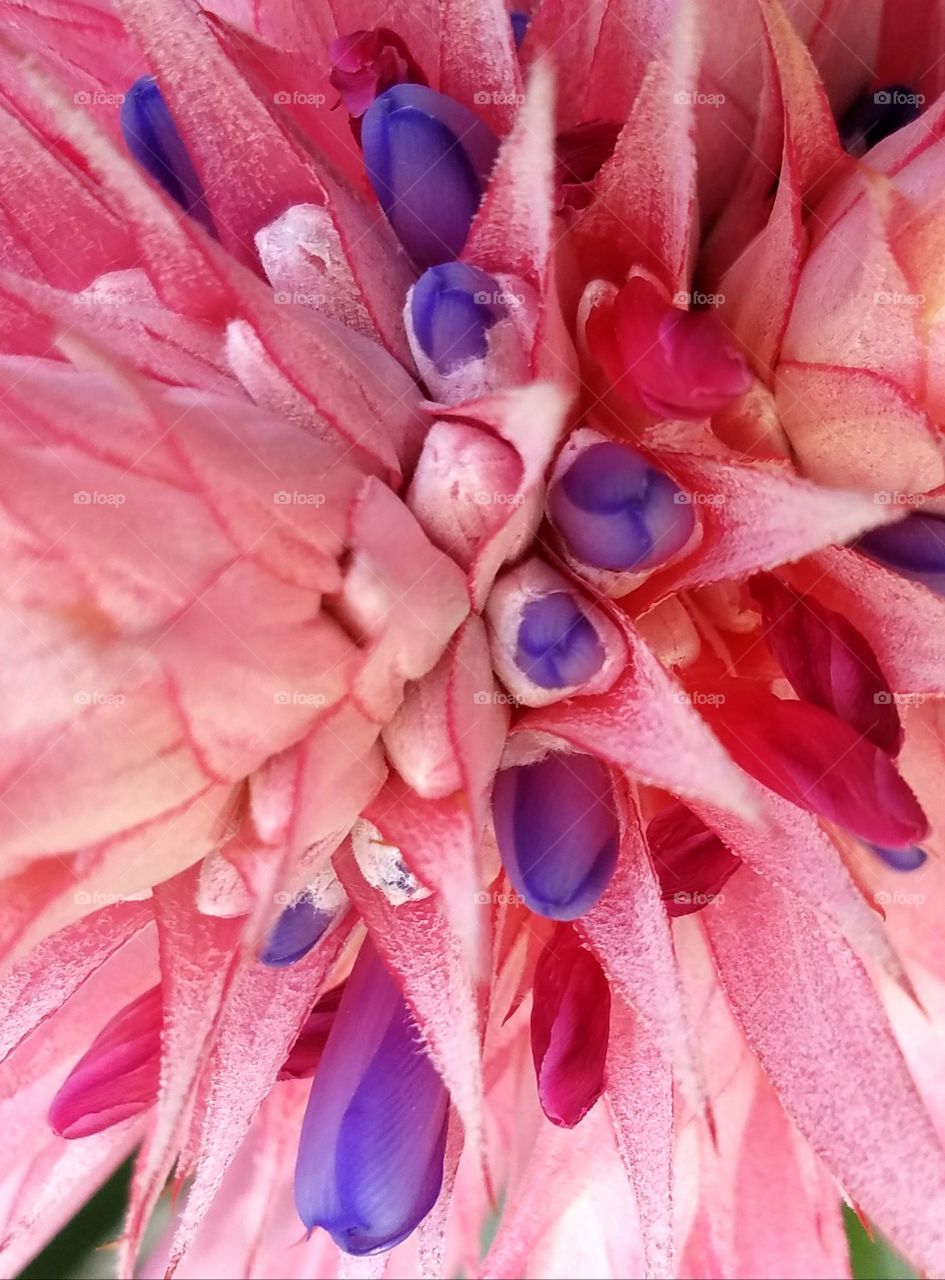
(263, 579)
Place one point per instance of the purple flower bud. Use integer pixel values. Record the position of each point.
(558, 646)
(614, 511)
(876, 114)
(428, 159)
(519, 23)
(294, 934)
(370, 1160)
(151, 136)
(452, 307)
(915, 547)
(908, 859)
(557, 830)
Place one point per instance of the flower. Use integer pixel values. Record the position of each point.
(473, 615)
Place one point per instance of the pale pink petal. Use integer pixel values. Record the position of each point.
(262, 1017)
(629, 932)
(198, 956)
(839, 1074)
(640, 1101)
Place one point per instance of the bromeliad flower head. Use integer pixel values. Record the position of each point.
(474, 629)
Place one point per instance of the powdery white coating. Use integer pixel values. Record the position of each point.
(109, 298)
(532, 580)
(464, 488)
(508, 342)
(304, 261)
(383, 866)
(780, 985)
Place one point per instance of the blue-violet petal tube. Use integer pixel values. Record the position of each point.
(452, 307)
(294, 934)
(876, 114)
(557, 830)
(615, 511)
(558, 646)
(908, 859)
(914, 547)
(151, 136)
(428, 159)
(370, 1160)
(520, 23)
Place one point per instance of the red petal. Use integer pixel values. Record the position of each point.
(691, 861)
(817, 762)
(828, 661)
(569, 1028)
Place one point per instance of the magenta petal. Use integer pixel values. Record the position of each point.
(366, 63)
(680, 364)
(569, 1028)
(691, 861)
(821, 764)
(117, 1077)
(828, 661)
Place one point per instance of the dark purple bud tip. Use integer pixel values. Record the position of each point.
(452, 308)
(876, 114)
(558, 833)
(614, 511)
(428, 159)
(370, 1161)
(294, 934)
(151, 136)
(519, 23)
(908, 859)
(558, 646)
(914, 547)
